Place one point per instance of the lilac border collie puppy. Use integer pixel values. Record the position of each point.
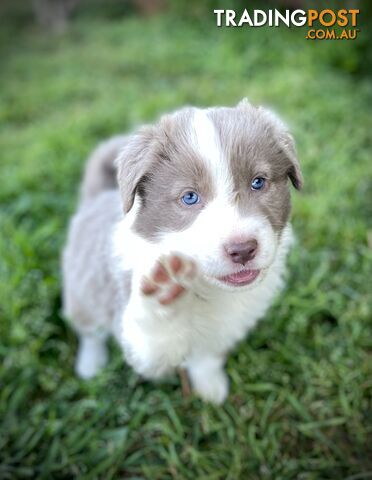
(178, 245)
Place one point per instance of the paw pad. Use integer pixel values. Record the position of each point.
(169, 279)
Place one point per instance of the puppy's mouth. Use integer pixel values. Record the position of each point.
(239, 279)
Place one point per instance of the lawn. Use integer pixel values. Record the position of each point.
(300, 403)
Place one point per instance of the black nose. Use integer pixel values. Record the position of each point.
(242, 252)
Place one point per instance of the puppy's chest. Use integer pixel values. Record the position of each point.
(218, 321)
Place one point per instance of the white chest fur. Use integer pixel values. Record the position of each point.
(199, 328)
(158, 338)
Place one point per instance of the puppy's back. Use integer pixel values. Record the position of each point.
(88, 283)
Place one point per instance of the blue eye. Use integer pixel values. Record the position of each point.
(258, 183)
(190, 198)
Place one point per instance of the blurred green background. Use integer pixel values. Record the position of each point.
(300, 402)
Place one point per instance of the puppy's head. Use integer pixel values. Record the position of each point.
(213, 185)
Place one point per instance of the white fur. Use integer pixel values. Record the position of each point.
(208, 145)
(92, 355)
(204, 324)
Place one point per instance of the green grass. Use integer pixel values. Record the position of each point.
(300, 402)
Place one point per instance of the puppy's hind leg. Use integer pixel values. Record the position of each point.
(92, 354)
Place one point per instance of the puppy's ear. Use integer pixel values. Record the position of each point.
(133, 163)
(294, 170)
(287, 145)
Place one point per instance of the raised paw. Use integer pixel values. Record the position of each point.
(169, 278)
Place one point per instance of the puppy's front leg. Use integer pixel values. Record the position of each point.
(208, 377)
(156, 316)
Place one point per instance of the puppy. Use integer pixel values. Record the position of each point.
(178, 245)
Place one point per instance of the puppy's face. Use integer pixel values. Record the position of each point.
(213, 184)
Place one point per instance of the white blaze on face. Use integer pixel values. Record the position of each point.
(208, 145)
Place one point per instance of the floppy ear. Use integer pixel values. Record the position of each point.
(287, 144)
(133, 163)
(294, 170)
